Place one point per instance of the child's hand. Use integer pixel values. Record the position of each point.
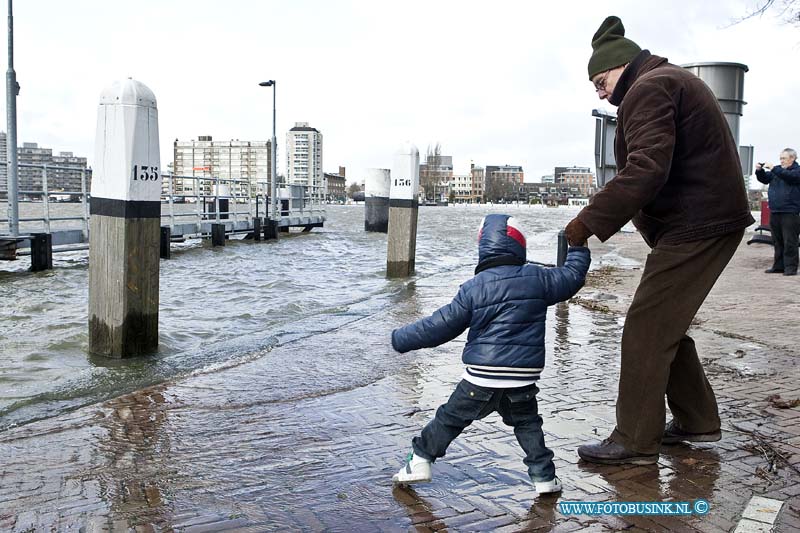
(391, 341)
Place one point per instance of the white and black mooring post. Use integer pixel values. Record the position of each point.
(403, 210)
(125, 223)
(376, 200)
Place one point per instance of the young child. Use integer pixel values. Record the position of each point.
(505, 307)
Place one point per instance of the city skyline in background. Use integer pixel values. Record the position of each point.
(517, 94)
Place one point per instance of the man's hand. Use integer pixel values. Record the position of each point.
(767, 166)
(577, 233)
(759, 166)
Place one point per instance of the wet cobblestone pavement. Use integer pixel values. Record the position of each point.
(216, 451)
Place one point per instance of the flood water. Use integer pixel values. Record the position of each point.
(226, 306)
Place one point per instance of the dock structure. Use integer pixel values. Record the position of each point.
(241, 209)
(187, 212)
(44, 215)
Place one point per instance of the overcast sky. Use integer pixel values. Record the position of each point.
(494, 82)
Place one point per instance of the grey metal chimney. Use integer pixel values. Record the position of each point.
(726, 81)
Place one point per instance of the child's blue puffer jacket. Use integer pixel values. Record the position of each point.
(504, 306)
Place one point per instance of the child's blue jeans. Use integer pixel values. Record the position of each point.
(470, 402)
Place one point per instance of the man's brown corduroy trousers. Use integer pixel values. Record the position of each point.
(658, 357)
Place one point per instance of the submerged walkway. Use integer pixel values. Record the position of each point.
(215, 451)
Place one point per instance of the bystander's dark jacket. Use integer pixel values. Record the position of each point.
(679, 176)
(784, 188)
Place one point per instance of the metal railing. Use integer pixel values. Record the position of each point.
(44, 195)
(220, 199)
(212, 199)
(187, 201)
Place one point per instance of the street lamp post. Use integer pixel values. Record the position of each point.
(274, 187)
(12, 90)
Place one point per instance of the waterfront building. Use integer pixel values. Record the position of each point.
(30, 179)
(435, 174)
(65, 179)
(205, 159)
(478, 182)
(502, 182)
(304, 159)
(550, 194)
(580, 178)
(506, 173)
(461, 188)
(335, 186)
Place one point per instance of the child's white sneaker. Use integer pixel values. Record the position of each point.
(416, 470)
(548, 487)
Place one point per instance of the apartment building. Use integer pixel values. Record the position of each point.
(502, 182)
(336, 186)
(197, 163)
(65, 171)
(478, 182)
(580, 178)
(304, 159)
(461, 188)
(435, 174)
(66, 174)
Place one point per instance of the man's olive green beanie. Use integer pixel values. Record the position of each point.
(611, 48)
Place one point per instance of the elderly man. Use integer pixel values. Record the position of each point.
(784, 209)
(681, 182)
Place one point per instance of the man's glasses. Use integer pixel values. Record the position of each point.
(600, 83)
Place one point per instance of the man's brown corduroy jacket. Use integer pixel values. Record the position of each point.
(679, 176)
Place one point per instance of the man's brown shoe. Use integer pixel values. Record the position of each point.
(673, 434)
(609, 452)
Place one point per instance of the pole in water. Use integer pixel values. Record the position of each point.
(257, 229)
(217, 234)
(125, 224)
(403, 211)
(165, 251)
(376, 200)
(562, 248)
(41, 252)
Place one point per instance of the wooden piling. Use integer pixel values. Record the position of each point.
(125, 224)
(217, 234)
(41, 252)
(257, 229)
(166, 237)
(270, 229)
(403, 213)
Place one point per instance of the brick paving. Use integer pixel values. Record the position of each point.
(214, 451)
